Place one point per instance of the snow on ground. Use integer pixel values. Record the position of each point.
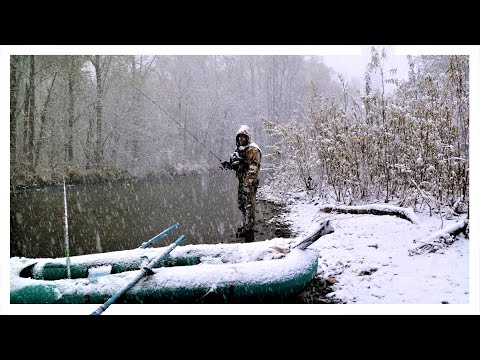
(367, 260)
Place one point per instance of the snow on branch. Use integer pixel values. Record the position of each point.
(375, 209)
(440, 239)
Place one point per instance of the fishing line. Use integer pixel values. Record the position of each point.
(171, 117)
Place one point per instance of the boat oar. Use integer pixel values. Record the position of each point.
(146, 270)
(158, 237)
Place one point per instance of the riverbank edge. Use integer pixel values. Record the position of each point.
(316, 292)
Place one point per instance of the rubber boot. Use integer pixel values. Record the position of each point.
(249, 235)
(240, 231)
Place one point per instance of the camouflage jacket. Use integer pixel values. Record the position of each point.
(248, 171)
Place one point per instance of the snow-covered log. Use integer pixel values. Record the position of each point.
(440, 239)
(324, 229)
(375, 209)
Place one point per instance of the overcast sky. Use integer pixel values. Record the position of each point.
(355, 65)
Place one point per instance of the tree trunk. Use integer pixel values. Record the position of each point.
(88, 143)
(135, 105)
(70, 112)
(43, 116)
(98, 108)
(31, 115)
(274, 86)
(13, 109)
(26, 109)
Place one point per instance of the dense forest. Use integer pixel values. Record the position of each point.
(104, 117)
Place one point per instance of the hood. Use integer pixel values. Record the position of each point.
(244, 129)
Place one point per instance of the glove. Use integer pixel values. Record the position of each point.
(226, 165)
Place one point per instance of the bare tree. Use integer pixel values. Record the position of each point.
(31, 116)
(13, 110)
(43, 116)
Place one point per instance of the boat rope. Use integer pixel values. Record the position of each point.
(171, 117)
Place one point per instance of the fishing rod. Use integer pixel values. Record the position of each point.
(171, 117)
(67, 251)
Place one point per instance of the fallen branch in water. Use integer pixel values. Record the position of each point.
(440, 239)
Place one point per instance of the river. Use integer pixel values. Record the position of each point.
(121, 215)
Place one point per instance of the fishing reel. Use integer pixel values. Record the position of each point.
(226, 165)
(236, 161)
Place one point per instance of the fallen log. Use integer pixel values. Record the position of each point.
(324, 229)
(374, 209)
(440, 239)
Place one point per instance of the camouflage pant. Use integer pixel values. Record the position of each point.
(247, 197)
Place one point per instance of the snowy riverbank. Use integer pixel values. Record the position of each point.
(366, 260)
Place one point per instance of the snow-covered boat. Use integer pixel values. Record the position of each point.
(238, 272)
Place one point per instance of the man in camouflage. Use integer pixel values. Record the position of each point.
(246, 163)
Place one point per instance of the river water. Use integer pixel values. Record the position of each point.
(123, 214)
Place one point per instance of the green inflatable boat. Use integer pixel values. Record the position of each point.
(266, 271)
